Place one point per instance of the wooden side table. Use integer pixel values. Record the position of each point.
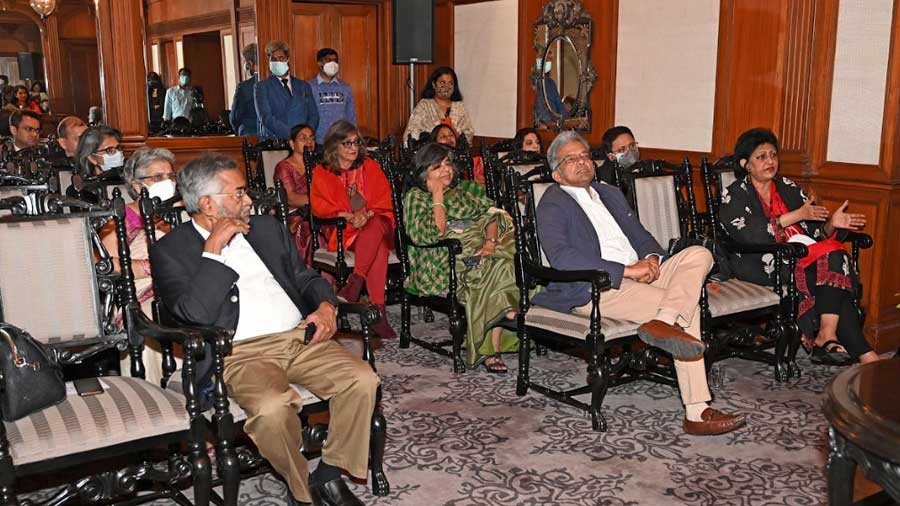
(862, 405)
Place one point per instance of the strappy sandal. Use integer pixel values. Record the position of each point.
(830, 353)
(494, 364)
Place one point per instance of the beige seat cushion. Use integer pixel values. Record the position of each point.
(330, 257)
(735, 296)
(577, 326)
(129, 409)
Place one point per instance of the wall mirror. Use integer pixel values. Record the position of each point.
(206, 38)
(563, 73)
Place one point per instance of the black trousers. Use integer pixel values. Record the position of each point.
(831, 300)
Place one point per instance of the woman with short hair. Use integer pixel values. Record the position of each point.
(350, 185)
(440, 205)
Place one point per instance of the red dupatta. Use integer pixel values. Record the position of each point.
(774, 209)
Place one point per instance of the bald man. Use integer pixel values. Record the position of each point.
(68, 131)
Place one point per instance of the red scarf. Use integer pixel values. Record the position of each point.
(774, 209)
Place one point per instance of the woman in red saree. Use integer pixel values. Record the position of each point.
(350, 185)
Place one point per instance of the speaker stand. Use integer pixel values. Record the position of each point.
(412, 87)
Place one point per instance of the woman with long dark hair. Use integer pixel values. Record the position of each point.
(442, 102)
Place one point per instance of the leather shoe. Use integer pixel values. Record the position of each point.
(714, 422)
(352, 288)
(673, 339)
(333, 493)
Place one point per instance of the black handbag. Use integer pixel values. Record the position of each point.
(32, 380)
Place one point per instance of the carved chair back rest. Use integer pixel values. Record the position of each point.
(51, 282)
(716, 178)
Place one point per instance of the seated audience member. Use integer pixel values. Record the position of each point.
(21, 100)
(441, 103)
(25, 126)
(68, 133)
(292, 173)
(155, 100)
(620, 147)
(228, 269)
(179, 98)
(154, 169)
(39, 96)
(527, 139)
(440, 205)
(98, 151)
(585, 225)
(444, 134)
(243, 111)
(333, 97)
(350, 185)
(762, 207)
(283, 100)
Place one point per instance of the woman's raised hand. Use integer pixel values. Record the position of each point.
(851, 221)
(811, 212)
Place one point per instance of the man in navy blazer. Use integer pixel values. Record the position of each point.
(243, 110)
(283, 101)
(587, 225)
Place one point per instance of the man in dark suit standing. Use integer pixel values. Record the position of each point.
(587, 225)
(243, 111)
(229, 270)
(282, 100)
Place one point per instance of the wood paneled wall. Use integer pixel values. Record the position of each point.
(775, 69)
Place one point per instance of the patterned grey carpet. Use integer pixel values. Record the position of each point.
(461, 440)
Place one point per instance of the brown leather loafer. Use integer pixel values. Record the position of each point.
(673, 339)
(714, 422)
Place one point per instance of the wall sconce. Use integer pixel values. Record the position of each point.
(43, 7)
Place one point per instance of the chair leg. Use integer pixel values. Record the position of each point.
(782, 339)
(230, 472)
(458, 333)
(380, 485)
(201, 474)
(428, 315)
(598, 375)
(404, 320)
(795, 337)
(522, 379)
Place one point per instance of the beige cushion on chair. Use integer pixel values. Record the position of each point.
(47, 279)
(129, 409)
(269, 159)
(577, 326)
(330, 257)
(735, 296)
(657, 207)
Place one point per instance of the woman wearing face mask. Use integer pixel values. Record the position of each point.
(444, 134)
(99, 151)
(350, 185)
(441, 103)
(761, 207)
(154, 169)
(292, 173)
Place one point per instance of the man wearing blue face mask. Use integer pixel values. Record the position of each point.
(179, 98)
(620, 147)
(282, 100)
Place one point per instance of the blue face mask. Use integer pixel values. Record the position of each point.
(184, 80)
(279, 68)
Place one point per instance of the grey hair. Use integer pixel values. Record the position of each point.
(200, 178)
(277, 45)
(249, 53)
(561, 140)
(139, 161)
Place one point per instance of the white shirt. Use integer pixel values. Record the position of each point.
(265, 307)
(179, 103)
(614, 244)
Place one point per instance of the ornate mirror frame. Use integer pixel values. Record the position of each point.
(567, 20)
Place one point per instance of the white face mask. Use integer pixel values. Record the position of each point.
(164, 189)
(279, 68)
(331, 68)
(113, 161)
(628, 158)
(548, 65)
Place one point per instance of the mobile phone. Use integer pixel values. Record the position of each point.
(310, 332)
(471, 261)
(88, 386)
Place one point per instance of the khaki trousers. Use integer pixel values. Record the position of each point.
(258, 374)
(677, 289)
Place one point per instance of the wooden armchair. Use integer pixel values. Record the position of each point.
(65, 297)
(609, 344)
(260, 160)
(226, 419)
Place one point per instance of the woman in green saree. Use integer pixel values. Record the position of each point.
(438, 206)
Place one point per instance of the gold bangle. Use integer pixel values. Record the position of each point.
(438, 204)
(491, 239)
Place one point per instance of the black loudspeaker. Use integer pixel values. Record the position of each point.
(413, 31)
(30, 66)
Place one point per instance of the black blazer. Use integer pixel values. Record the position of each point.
(202, 291)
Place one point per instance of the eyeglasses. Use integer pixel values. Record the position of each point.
(351, 144)
(29, 130)
(584, 156)
(159, 177)
(624, 149)
(109, 151)
(238, 195)
(305, 138)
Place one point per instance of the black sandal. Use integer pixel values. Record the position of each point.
(830, 353)
(494, 364)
